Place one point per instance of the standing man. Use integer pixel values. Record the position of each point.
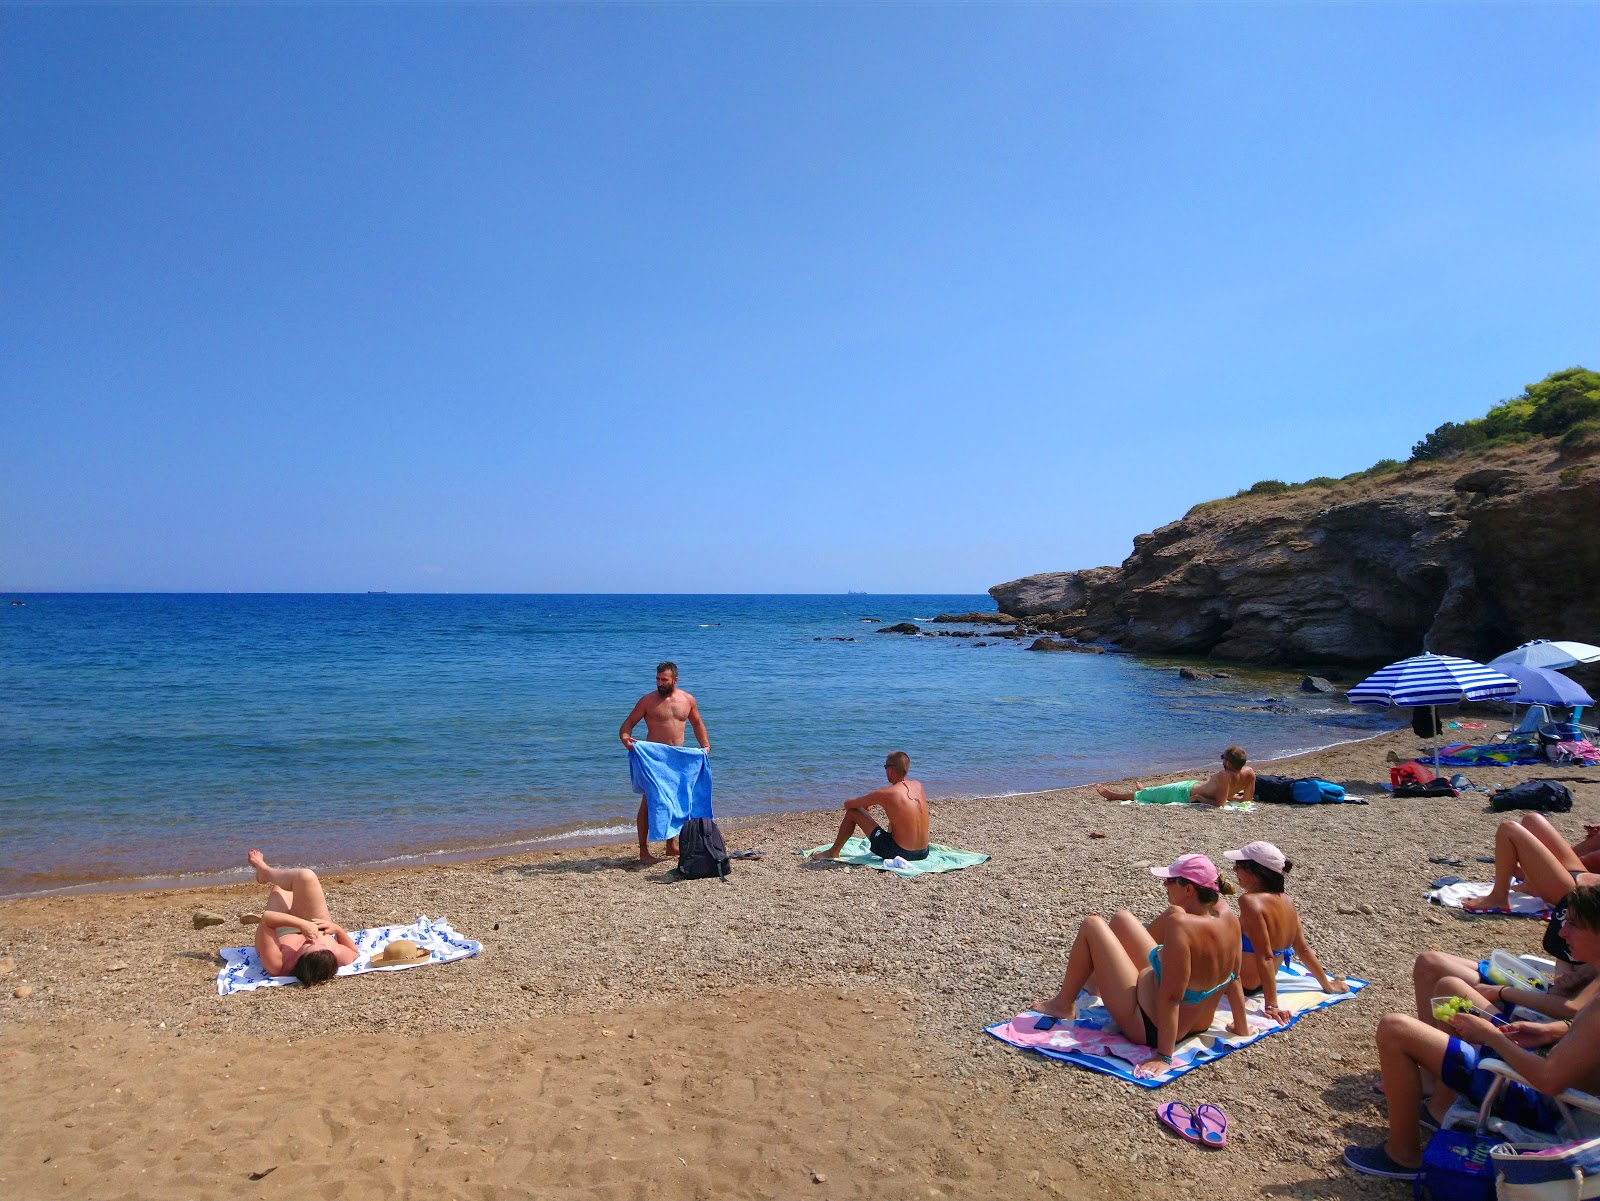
(904, 805)
(665, 712)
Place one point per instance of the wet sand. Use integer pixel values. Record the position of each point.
(625, 1035)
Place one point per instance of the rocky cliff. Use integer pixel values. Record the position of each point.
(1465, 557)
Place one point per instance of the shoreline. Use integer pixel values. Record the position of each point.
(798, 1029)
(539, 839)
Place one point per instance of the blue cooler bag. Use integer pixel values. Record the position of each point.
(1456, 1167)
(1570, 1172)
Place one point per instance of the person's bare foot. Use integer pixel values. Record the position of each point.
(259, 861)
(828, 854)
(1053, 1007)
(672, 848)
(1484, 904)
(1113, 794)
(646, 859)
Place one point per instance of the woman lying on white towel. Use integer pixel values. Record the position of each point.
(297, 936)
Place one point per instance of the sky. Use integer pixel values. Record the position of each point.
(753, 297)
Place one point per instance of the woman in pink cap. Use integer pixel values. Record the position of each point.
(1271, 927)
(1161, 983)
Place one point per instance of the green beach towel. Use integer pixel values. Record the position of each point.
(856, 853)
(1176, 793)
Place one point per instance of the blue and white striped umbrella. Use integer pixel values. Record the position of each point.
(1432, 680)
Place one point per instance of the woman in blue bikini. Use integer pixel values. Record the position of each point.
(1161, 983)
(1271, 927)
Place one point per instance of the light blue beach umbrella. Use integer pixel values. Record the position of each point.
(1541, 686)
(1432, 680)
(1542, 652)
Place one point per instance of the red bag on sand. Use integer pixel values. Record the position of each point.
(1409, 773)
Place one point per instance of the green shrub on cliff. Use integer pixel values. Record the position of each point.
(1557, 405)
(1563, 405)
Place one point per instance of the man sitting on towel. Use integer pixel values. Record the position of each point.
(1234, 782)
(904, 805)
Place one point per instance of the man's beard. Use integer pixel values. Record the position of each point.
(666, 690)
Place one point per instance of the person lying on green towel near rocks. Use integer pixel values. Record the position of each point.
(905, 807)
(1234, 782)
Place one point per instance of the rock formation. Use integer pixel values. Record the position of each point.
(1468, 557)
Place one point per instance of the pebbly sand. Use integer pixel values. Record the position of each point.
(799, 1031)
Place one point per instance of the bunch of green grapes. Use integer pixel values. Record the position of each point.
(1445, 1008)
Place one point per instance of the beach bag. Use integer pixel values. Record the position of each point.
(1275, 790)
(1456, 1167)
(1409, 773)
(1568, 1172)
(1317, 792)
(1546, 796)
(702, 854)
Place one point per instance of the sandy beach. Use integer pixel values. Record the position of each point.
(798, 1031)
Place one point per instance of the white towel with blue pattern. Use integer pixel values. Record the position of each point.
(243, 971)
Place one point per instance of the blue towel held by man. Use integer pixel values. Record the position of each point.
(676, 782)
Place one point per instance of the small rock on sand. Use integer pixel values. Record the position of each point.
(204, 917)
(249, 919)
(22, 993)
(7, 966)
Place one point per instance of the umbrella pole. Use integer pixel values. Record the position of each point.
(1433, 724)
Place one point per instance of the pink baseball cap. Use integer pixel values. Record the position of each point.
(1196, 869)
(1264, 853)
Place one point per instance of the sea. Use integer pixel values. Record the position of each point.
(150, 739)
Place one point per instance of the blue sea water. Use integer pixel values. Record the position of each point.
(162, 735)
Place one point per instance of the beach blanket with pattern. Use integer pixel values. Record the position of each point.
(1505, 754)
(857, 853)
(1094, 1042)
(1522, 904)
(243, 971)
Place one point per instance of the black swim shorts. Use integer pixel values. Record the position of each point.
(885, 847)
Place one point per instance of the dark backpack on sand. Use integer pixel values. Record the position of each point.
(1274, 790)
(701, 852)
(1547, 796)
(1438, 786)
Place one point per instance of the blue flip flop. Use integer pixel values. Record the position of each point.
(1213, 1125)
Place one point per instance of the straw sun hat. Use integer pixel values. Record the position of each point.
(398, 953)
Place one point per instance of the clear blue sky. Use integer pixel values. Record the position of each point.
(749, 297)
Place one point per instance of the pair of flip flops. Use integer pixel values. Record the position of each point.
(1206, 1126)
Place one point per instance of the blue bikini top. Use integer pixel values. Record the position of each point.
(1287, 953)
(1190, 996)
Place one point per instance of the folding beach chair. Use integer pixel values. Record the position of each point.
(1526, 730)
(1464, 1116)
